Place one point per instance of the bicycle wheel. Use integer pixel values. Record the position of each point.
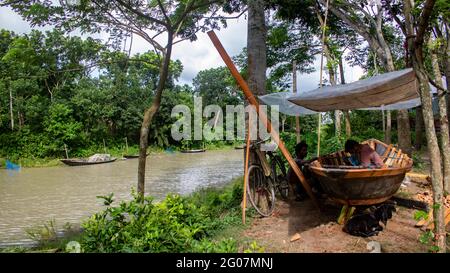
(279, 173)
(260, 191)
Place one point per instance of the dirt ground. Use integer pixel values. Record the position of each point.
(319, 231)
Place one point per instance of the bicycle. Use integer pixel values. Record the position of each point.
(264, 177)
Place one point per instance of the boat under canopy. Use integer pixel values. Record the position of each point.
(384, 89)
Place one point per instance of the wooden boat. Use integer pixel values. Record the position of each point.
(81, 161)
(132, 156)
(194, 151)
(356, 185)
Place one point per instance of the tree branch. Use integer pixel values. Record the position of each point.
(423, 21)
(140, 13)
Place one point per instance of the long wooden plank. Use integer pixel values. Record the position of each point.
(252, 100)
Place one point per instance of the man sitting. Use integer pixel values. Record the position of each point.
(301, 151)
(363, 155)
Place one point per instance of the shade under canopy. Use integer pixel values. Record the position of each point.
(384, 89)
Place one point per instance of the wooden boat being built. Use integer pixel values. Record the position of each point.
(356, 185)
(82, 161)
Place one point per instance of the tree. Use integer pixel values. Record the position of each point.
(217, 86)
(177, 20)
(415, 47)
(256, 47)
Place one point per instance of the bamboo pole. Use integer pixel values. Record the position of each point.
(65, 148)
(294, 90)
(247, 152)
(104, 146)
(252, 100)
(323, 25)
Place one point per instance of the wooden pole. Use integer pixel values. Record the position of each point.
(252, 100)
(247, 152)
(126, 144)
(11, 109)
(104, 146)
(323, 25)
(294, 90)
(65, 148)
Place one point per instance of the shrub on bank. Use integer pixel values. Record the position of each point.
(177, 224)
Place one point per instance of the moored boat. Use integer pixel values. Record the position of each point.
(83, 161)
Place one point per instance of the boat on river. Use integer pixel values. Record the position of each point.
(93, 160)
(194, 151)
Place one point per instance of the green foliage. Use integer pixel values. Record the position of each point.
(420, 214)
(177, 224)
(254, 248)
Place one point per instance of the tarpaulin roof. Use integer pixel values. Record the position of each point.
(384, 89)
(285, 106)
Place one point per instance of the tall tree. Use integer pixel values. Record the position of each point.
(415, 46)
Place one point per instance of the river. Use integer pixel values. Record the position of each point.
(34, 196)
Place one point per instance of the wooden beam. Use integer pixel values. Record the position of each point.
(262, 116)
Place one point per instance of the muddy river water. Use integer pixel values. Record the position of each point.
(33, 196)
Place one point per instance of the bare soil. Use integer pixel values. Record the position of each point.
(319, 231)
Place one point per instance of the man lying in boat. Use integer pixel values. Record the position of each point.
(301, 151)
(363, 155)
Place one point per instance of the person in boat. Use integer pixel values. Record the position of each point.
(363, 155)
(301, 151)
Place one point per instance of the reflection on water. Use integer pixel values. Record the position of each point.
(34, 196)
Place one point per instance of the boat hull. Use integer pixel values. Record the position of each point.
(82, 162)
(362, 188)
(193, 151)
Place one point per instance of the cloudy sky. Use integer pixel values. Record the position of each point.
(198, 55)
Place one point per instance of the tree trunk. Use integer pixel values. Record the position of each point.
(149, 114)
(348, 128)
(415, 49)
(404, 131)
(445, 147)
(256, 47)
(294, 90)
(256, 53)
(387, 134)
(419, 128)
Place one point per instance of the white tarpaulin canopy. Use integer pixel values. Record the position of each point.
(285, 106)
(384, 89)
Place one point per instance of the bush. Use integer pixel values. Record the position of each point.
(177, 224)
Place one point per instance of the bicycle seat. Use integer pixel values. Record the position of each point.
(269, 147)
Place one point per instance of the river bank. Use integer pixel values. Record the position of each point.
(118, 152)
(208, 220)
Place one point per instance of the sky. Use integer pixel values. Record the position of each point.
(198, 55)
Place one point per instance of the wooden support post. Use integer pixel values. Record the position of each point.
(262, 116)
(294, 90)
(247, 153)
(65, 148)
(342, 215)
(104, 146)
